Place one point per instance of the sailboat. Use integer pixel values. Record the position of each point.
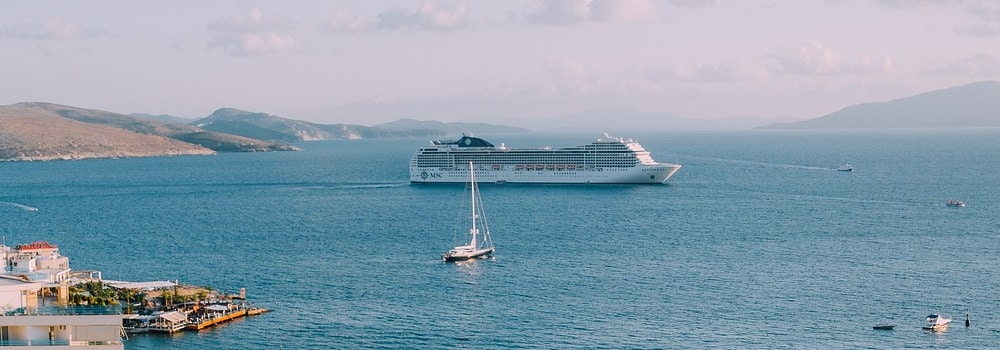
(481, 245)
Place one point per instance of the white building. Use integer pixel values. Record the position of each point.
(26, 325)
(37, 261)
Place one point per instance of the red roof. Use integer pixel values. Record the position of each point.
(36, 245)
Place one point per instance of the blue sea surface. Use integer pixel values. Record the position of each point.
(755, 243)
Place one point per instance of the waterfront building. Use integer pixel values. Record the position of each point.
(36, 261)
(25, 324)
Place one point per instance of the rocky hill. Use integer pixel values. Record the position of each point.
(46, 131)
(166, 118)
(269, 127)
(967, 106)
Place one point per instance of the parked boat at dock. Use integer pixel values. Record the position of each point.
(168, 322)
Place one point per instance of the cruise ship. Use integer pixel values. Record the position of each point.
(607, 160)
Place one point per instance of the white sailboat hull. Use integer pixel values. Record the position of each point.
(462, 255)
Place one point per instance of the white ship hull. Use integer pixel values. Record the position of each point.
(607, 160)
(638, 175)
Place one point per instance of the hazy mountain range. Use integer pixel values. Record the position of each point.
(453, 128)
(967, 106)
(42, 131)
(622, 119)
(268, 127)
(47, 131)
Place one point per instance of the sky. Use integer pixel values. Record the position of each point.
(369, 62)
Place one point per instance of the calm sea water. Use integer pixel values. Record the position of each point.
(755, 243)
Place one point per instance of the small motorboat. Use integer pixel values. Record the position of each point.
(845, 167)
(936, 322)
(883, 326)
(955, 203)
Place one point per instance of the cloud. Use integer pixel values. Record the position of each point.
(986, 64)
(693, 3)
(252, 34)
(718, 73)
(434, 16)
(48, 29)
(570, 12)
(981, 30)
(988, 16)
(916, 4)
(622, 10)
(816, 59)
(989, 12)
(257, 43)
(252, 21)
(442, 17)
(344, 20)
(569, 76)
(561, 12)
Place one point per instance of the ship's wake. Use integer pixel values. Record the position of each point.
(19, 206)
(762, 164)
(375, 185)
(368, 185)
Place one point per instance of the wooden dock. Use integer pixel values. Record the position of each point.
(217, 320)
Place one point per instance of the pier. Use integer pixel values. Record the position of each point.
(214, 314)
(71, 306)
(201, 323)
(204, 312)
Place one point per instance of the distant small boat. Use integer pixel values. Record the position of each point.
(936, 322)
(955, 203)
(883, 326)
(845, 167)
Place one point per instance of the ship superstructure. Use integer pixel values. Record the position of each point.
(606, 160)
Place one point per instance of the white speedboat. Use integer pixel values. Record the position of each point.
(481, 245)
(845, 167)
(936, 322)
(955, 203)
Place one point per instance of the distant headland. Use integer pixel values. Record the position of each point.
(46, 131)
(974, 105)
(33, 131)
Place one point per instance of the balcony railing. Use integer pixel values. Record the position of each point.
(46, 342)
(40, 342)
(68, 310)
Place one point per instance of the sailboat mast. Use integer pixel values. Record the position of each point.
(472, 182)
